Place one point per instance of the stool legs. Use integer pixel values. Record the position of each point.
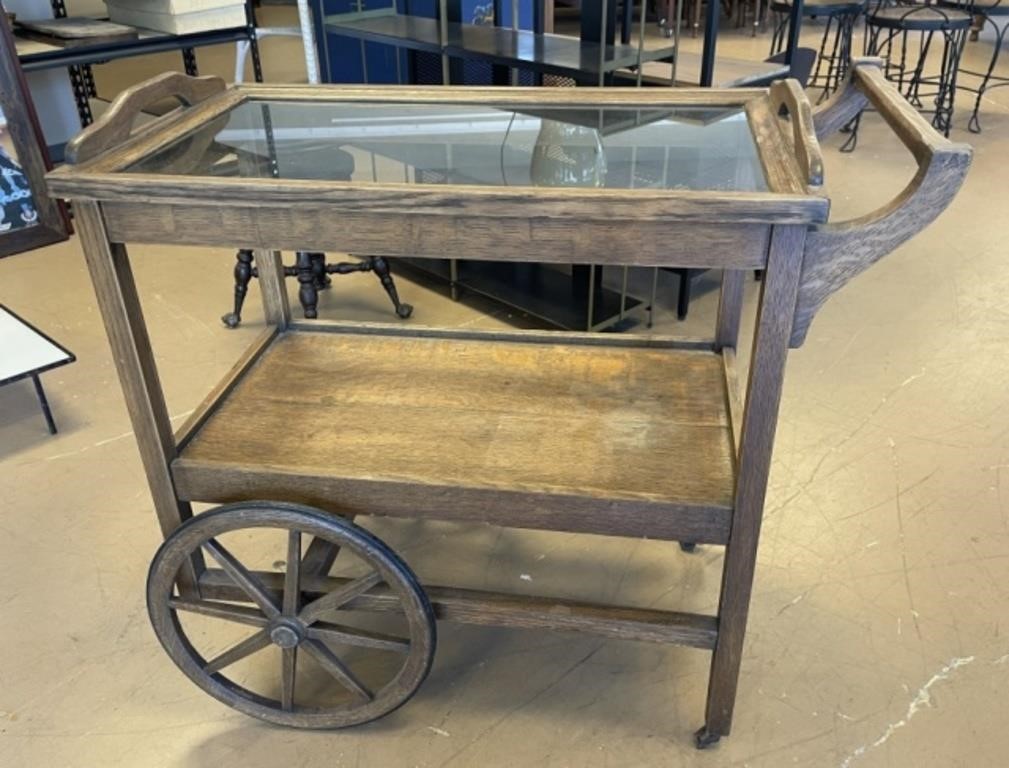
(381, 267)
(833, 54)
(308, 293)
(909, 79)
(322, 280)
(974, 125)
(312, 273)
(243, 274)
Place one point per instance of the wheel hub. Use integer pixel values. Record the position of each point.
(287, 634)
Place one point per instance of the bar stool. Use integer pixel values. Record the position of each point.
(888, 30)
(834, 55)
(310, 267)
(986, 12)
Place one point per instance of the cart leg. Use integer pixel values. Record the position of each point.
(119, 303)
(44, 403)
(270, 271)
(243, 274)
(703, 738)
(763, 394)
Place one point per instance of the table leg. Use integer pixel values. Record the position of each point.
(763, 395)
(270, 270)
(44, 403)
(119, 303)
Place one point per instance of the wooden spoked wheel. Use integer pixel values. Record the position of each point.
(295, 613)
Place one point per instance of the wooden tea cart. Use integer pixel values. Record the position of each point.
(320, 422)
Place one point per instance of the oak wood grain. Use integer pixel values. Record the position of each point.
(730, 308)
(131, 351)
(469, 606)
(788, 95)
(272, 287)
(504, 95)
(536, 236)
(115, 125)
(777, 157)
(735, 404)
(224, 387)
(452, 201)
(530, 336)
(763, 394)
(836, 252)
(527, 434)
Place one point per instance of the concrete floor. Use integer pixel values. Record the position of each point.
(878, 633)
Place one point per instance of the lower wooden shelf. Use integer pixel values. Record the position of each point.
(575, 436)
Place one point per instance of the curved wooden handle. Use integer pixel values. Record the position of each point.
(117, 123)
(788, 94)
(837, 252)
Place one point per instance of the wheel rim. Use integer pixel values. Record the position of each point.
(295, 625)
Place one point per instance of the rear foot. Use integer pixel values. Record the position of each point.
(688, 546)
(704, 738)
(404, 310)
(231, 320)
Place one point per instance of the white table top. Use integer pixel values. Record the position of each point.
(24, 349)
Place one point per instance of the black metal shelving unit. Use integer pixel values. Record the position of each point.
(582, 60)
(79, 58)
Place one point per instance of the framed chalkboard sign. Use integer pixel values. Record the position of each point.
(29, 218)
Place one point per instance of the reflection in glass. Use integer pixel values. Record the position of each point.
(568, 155)
(689, 147)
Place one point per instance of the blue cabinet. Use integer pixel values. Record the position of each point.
(352, 60)
(346, 60)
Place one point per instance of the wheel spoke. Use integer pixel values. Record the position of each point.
(247, 647)
(336, 598)
(237, 613)
(329, 662)
(292, 580)
(288, 667)
(249, 584)
(334, 633)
